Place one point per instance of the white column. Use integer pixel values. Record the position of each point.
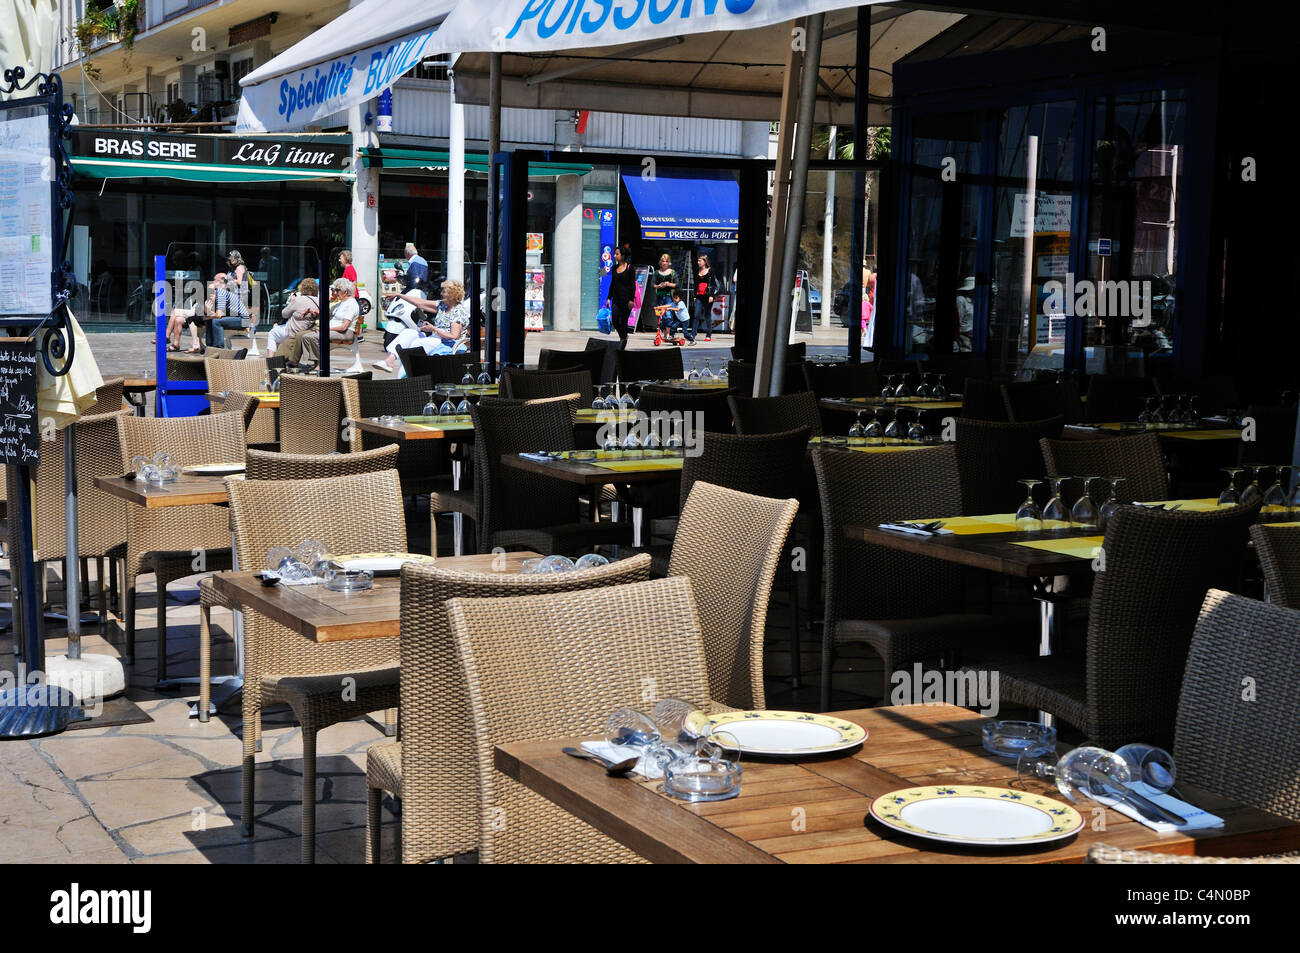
(566, 284)
(364, 236)
(456, 189)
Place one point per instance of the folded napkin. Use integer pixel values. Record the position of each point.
(617, 753)
(1196, 818)
(309, 581)
(915, 530)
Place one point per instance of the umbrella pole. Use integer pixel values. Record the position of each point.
(71, 569)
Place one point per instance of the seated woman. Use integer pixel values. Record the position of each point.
(180, 317)
(299, 315)
(343, 311)
(300, 300)
(445, 335)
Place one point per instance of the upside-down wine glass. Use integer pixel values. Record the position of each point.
(1084, 511)
(1029, 516)
(1056, 509)
(1230, 496)
(1112, 504)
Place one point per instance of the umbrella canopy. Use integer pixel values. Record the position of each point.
(29, 34)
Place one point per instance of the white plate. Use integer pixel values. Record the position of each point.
(978, 815)
(781, 733)
(215, 469)
(382, 563)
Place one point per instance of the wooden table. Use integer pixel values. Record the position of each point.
(189, 490)
(452, 427)
(815, 811)
(322, 615)
(134, 389)
(910, 403)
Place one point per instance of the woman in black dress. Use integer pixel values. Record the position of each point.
(622, 291)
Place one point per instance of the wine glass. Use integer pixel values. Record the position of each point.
(469, 374)
(1084, 511)
(1087, 770)
(598, 402)
(1112, 504)
(707, 374)
(1193, 414)
(902, 390)
(1253, 493)
(463, 407)
(875, 431)
(1230, 496)
(1056, 509)
(891, 429)
(1277, 497)
(922, 389)
(626, 403)
(1148, 414)
(483, 376)
(916, 430)
(446, 409)
(1029, 516)
(1153, 766)
(674, 439)
(857, 430)
(887, 391)
(939, 391)
(430, 408)
(694, 374)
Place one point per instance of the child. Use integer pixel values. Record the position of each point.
(676, 318)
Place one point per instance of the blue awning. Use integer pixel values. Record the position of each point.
(700, 207)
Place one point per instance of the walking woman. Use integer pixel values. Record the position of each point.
(706, 286)
(622, 291)
(665, 280)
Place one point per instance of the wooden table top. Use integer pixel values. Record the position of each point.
(189, 490)
(408, 431)
(587, 473)
(323, 615)
(139, 384)
(815, 811)
(1195, 433)
(994, 551)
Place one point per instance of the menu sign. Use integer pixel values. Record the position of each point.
(20, 437)
(26, 242)
(302, 152)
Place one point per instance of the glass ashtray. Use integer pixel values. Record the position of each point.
(349, 580)
(702, 779)
(1012, 739)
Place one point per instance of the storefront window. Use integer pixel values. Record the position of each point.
(1133, 229)
(1033, 210)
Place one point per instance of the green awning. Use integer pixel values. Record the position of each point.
(125, 168)
(390, 157)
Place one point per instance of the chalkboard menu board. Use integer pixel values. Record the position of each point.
(20, 432)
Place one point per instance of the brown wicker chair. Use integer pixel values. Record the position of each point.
(1278, 548)
(729, 544)
(1158, 566)
(1039, 400)
(982, 400)
(172, 540)
(101, 517)
(1244, 750)
(992, 456)
(238, 377)
(908, 610)
(439, 368)
(423, 464)
(712, 403)
(842, 380)
(185, 367)
(519, 384)
(432, 769)
(244, 405)
(311, 414)
(108, 397)
(280, 666)
(760, 415)
(517, 509)
(593, 362)
(648, 630)
(663, 364)
(1137, 458)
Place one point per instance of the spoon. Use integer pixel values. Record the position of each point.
(613, 769)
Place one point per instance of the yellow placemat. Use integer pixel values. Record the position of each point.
(1194, 506)
(587, 413)
(1084, 547)
(993, 523)
(896, 448)
(667, 463)
(1226, 433)
(263, 394)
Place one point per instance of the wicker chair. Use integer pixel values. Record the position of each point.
(108, 397)
(663, 364)
(982, 400)
(593, 362)
(439, 368)
(992, 456)
(243, 405)
(730, 544)
(1137, 458)
(519, 384)
(712, 403)
(1244, 750)
(1038, 400)
(238, 377)
(759, 415)
(552, 639)
(432, 769)
(1116, 397)
(517, 509)
(169, 539)
(1158, 566)
(842, 380)
(741, 374)
(224, 353)
(186, 367)
(909, 610)
(311, 414)
(423, 464)
(101, 517)
(280, 666)
(1278, 548)
(265, 465)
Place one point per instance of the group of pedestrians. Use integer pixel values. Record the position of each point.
(670, 299)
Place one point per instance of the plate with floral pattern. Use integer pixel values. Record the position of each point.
(977, 815)
(781, 734)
